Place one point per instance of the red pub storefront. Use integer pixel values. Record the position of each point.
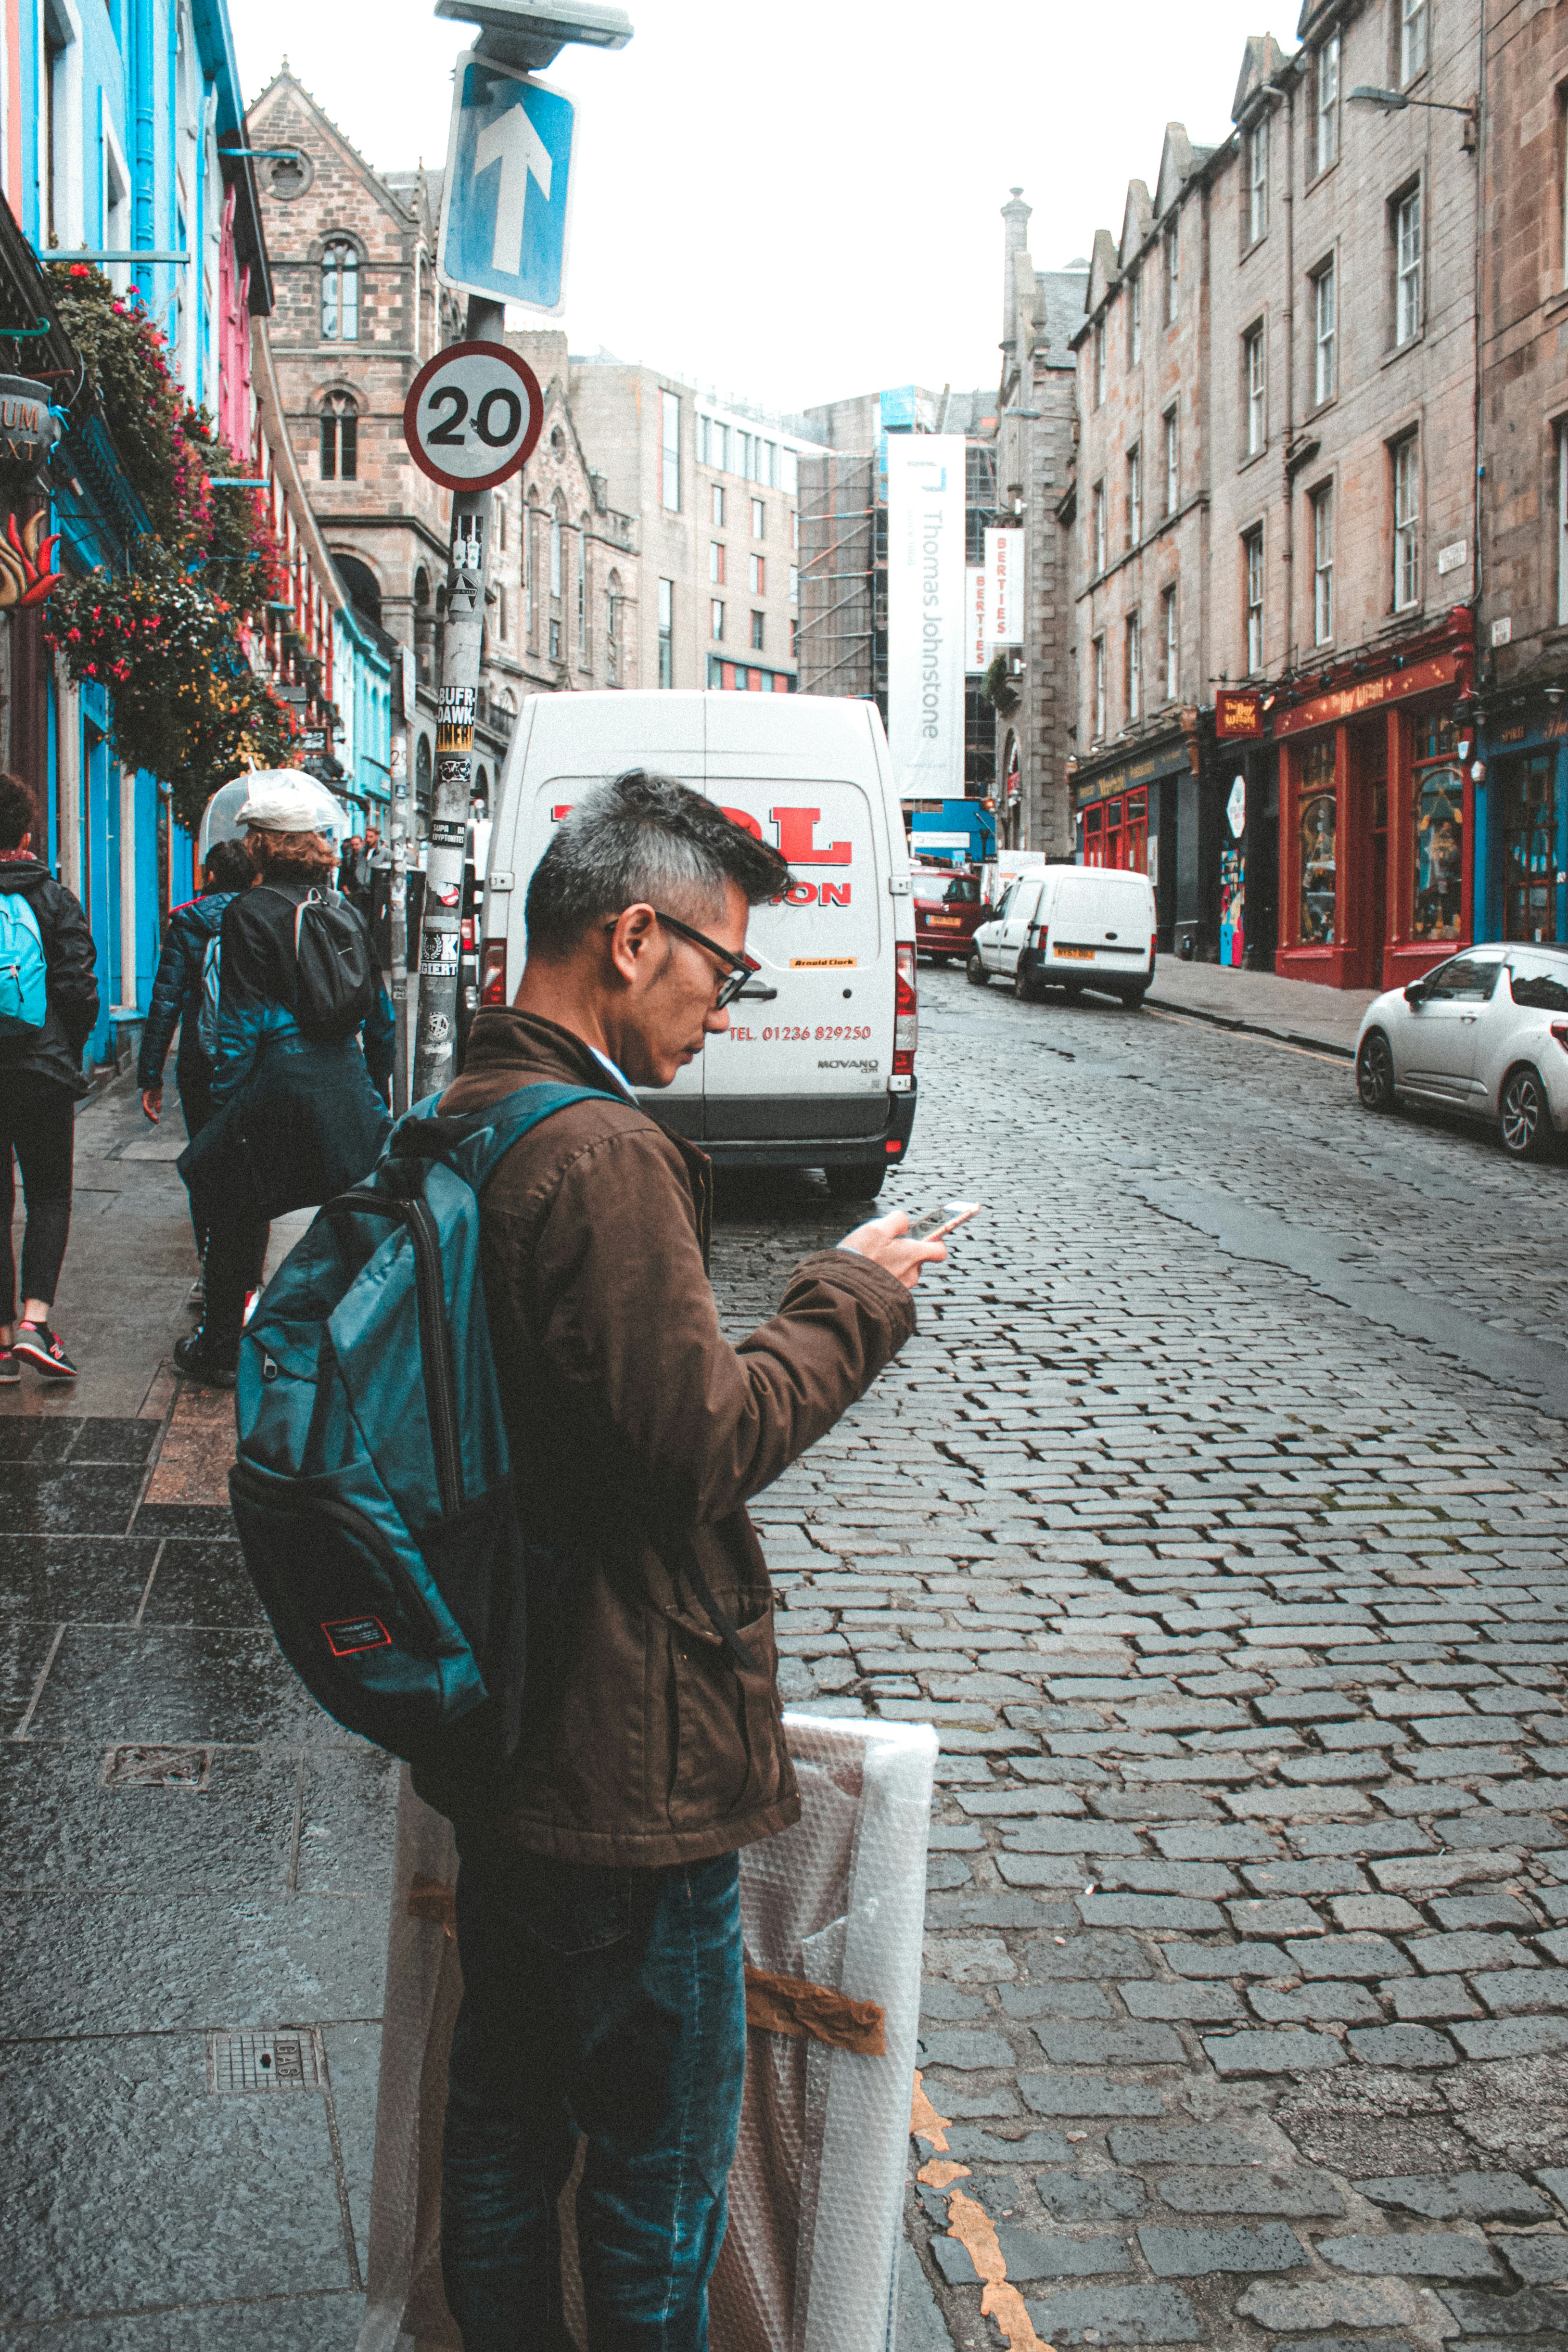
(1378, 816)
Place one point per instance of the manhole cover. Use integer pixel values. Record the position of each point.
(157, 1768)
(263, 2062)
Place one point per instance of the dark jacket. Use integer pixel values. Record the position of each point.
(56, 1051)
(176, 1001)
(257, 998)
(638, 1434)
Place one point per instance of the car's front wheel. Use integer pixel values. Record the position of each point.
(975, 970)
(1524, 1115)
(1375, 1072)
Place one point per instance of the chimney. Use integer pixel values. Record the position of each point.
(1015, 213)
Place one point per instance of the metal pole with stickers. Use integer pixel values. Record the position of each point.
(475, 411)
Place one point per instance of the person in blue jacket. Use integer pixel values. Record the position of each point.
(296, 1118)
(177, 987)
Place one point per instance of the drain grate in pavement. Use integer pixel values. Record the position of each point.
(158, 1768)
(263, 2062)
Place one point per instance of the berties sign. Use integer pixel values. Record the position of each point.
(1004, 588)
(27, 428)
(1238, 717)
(926, 617)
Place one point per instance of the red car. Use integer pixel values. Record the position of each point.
(947, 910)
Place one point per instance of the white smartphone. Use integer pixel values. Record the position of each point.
(937, 1224)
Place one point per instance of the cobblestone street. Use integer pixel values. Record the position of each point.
(1214, 1517)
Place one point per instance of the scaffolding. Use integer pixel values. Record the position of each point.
(842, 636)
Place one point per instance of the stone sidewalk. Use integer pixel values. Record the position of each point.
(1295, 1011)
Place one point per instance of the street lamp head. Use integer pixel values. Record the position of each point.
(528, 34)
(1393, 101)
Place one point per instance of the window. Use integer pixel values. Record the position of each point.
(1172, 461)
(1323, 565)
(1134, 497)
(1135, 317)
(666, 632)
(716, 561)
(1170, 643)
(1412, 39)
(1325, 334)
(1535, 982)
(718, 506)
(1409, 305)
(1252, 547)
(716, 612)
(1406, 523)
(1529, 863)
(339, 292)
(1099, 688)
(498, 526)
(1099, 525)
(502, 629)
(712, 444)
(1256, 161)
(790, 472)
(528, 573)
(795, 528)
(583, 592)
(1255, 385)
(1099, 362)
(794, 640)
(555, 555)
(1173, 268)
(758, 517)
(1134, 664)
(1437, 810)
(794, 583)
(759, 576)
(555, 641)
(1562, 526)
(670, 429)
(339, 438)
(1319, 827)
(759, 631)
(1326, 125)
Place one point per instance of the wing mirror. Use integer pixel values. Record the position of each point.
(1415, 992)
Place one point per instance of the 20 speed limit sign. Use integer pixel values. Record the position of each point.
(473, 415)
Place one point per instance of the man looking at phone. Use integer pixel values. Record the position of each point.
(598, 1911)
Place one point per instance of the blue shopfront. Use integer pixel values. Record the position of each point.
(1521, 823)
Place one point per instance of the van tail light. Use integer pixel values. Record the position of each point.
(1040, 939)
(905, 1013)
(468, 928)
(493, 973)
(1560, 1030)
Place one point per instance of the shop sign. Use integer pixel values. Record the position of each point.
(313, 741)
(27, 562)
(1004, 587)
(26, 426)
(1238, 715)
(975, 619)
(1393, 685)
(1236, 807)
(1172, 761)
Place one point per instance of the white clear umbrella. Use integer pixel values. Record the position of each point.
(219, 818)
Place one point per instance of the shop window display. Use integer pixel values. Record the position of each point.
(1439, 811)
(1529, 849)
(1319, 831)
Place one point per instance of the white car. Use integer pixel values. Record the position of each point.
(1070, 927)
(1485, 1033)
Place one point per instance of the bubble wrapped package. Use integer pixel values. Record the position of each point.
(810, 2260)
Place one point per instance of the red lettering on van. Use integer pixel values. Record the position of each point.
(563, 808)
(745, 820)
(801, 894)
(835, 894)
(796, 827)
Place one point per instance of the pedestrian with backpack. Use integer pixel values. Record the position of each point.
(302, 1068)
(186, 995)
(49, 1008)
(488, 1412)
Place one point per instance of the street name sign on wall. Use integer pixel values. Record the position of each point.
(473, 416)
(926, 617)
(507, 199)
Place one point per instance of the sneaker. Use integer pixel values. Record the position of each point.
(10, 1369)
(38, 1346)
(193, 1361)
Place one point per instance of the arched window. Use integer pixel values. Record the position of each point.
(339, 292)
(422, 588)
(340, 438)
(555, 523)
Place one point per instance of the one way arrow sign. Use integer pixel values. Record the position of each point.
(507, 199)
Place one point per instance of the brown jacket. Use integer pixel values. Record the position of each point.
(638, 1434)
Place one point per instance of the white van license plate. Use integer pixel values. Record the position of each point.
(1081, 955)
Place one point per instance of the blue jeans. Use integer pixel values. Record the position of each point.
(609, 2004)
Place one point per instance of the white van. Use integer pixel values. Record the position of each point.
(1071, 927)
(817, 1069)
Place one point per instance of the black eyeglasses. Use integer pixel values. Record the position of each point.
(738, 969)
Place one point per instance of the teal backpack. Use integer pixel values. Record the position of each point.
(23, 968)
(373, 1489)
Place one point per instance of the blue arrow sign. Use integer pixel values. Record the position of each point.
(508, 182)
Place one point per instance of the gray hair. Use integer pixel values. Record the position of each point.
(643, 839)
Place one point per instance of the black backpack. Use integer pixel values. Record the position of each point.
(335, 979)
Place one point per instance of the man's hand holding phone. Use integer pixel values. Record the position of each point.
(903, 1248)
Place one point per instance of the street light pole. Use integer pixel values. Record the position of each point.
(440, 946)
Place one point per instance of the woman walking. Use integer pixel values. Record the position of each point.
(48, 1006)
(300, 1104)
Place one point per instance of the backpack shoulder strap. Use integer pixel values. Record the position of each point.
(472, 1146)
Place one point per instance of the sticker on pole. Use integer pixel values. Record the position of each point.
(506, 197)
(473, 416)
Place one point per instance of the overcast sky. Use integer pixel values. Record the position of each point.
(799, 202)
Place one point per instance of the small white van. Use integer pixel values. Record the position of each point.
(817, 1069)
(1070, 927)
